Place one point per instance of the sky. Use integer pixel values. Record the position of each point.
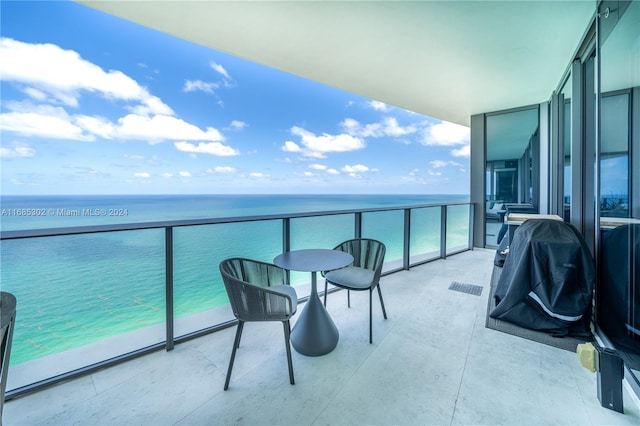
(94, 104)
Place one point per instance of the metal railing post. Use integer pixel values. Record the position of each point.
(286, 242)
(472, 222)
(168, 250)
(406, 252)
(357, 232)
(443, 231)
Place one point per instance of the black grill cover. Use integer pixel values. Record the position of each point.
(547, 279)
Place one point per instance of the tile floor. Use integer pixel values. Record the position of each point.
(432, 362)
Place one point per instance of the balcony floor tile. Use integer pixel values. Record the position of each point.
(432, 362)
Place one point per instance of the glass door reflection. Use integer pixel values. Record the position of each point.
(512, 144)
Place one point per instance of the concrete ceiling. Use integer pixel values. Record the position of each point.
(444, 59)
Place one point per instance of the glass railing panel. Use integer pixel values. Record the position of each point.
(318, 232)
(388, 227)
(86, 298)
(458, 228)
(82, 299)
(425, 234)
(200, 299)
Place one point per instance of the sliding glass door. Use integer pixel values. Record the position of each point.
(512, 144)
(618, 189)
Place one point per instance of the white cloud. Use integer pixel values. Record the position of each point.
(199, 85)
(211, 148)
(464, 151)
(34, 93)
(439, 164)
(258, 175)
(446, 134)
(387, 127)
(354, 171)
(358, 168)
(436, 164)
(162, 127)
(290, 146)
(96, 125)
(221, 169)
(219, 69)
(308, 174)
(167, 175)
(134, 156)
(54, 122)
(64, 75)
(392, 128)
(142, 175)
(378, 106)
(321, 167)
(153, 105)
(49, 73)
(353, 127)
(318, 146)
(17, 151)
(238, 125)
(42, 121)
(184, 174)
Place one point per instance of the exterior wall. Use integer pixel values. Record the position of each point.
(544, 168)
(477, 186)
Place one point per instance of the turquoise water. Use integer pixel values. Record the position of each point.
(76, 290)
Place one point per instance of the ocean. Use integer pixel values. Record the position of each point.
(76, 290)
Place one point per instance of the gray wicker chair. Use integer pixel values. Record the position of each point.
(7, 323)
(362, 274)
(258, 292)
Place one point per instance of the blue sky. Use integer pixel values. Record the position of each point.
(93, 104)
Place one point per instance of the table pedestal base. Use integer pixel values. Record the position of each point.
(315, 333)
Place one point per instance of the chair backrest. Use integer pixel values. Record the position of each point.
(367, 253)
(245, 281)
(7, 323)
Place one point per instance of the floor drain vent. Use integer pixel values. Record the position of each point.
(476, 290)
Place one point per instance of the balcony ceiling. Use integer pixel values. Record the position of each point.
(445, 59)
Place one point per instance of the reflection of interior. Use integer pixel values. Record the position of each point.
(565, 118)
(620, 270)
(512, 145)
(614, 154)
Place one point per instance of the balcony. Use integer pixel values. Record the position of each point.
(432, 362)
(109, 292)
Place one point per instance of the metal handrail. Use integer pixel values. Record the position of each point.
(136, 226)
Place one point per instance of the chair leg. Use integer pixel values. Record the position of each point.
(236, 344)
(325, 293)
(348, 298)
(384, 312)
(287, 338)
(370, 316)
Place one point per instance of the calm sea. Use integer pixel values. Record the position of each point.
(76, 290)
